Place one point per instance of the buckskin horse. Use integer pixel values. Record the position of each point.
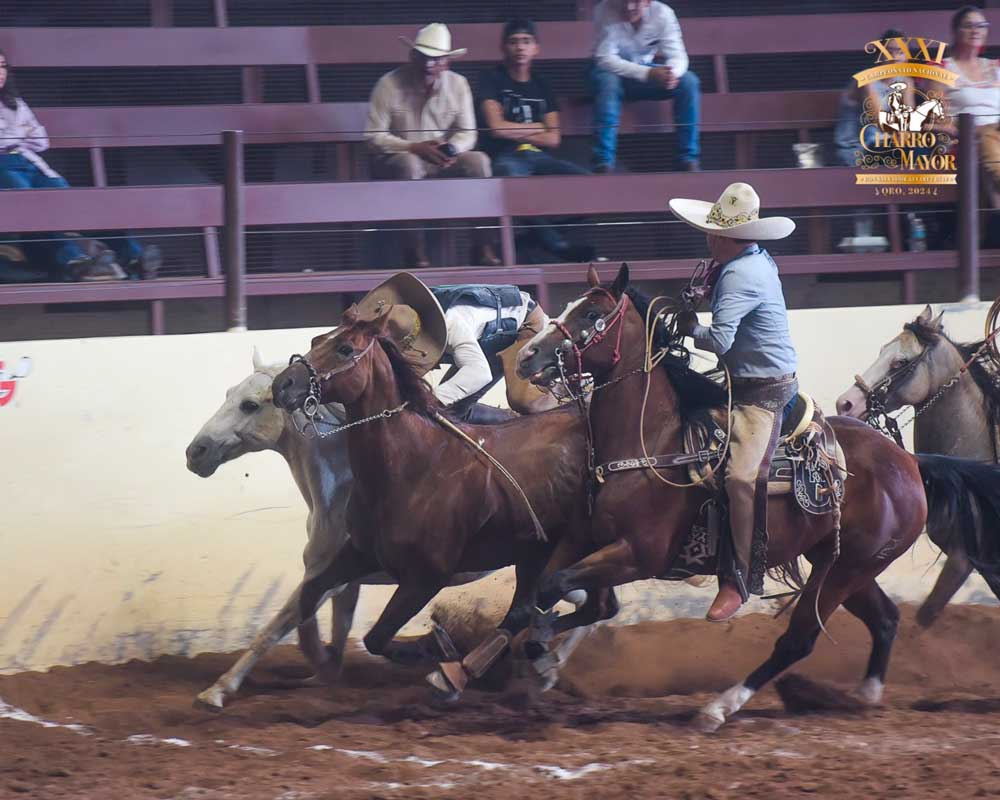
(953, 388)
(426, 503)
(640, 524)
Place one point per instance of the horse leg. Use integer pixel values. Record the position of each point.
(349, 566)
(405, 603)
(215, 696)
(874, 608)
(597, 606)
(610, 566)
(797, 641)
(954, 573)
(343, 607)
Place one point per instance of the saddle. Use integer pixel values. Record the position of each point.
(808, 463)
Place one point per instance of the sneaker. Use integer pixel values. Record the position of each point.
(604, 169)
(102, 268)
(147, 266)
(690, 166)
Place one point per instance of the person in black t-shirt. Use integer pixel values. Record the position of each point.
(519, 116)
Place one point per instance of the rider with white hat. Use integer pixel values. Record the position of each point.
(749, 332)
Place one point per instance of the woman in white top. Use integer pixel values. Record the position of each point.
(977, 90)
(22, 140)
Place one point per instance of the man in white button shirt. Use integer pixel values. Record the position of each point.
(639, 55)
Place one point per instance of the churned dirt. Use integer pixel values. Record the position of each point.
(617, 726)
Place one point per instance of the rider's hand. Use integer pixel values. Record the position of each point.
(686, 322)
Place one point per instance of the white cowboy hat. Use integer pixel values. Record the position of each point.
(897, 85)
(736, 215)
(434, 40)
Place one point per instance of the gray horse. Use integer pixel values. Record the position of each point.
(911, 369)
(249, 422)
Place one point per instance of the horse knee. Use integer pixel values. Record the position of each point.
(789, 648)
(884, 631)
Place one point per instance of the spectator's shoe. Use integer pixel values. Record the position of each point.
(147, 266)
(414, 259)
(101, 268)
(690, 166)
(604, 169)
(485, 256)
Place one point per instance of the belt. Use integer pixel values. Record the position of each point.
(763, 381)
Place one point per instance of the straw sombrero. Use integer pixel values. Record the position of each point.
(735, 215)
(416, 319)
(434, 40)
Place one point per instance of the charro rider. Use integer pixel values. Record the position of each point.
(749, 333)
(484, 327)
(898, 105)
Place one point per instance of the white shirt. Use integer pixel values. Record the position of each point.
(21, 133)
(465, 325)
(400, 113)
(981, 98)
(626, 51)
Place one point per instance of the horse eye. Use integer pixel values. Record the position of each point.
(345, 350)
(897, 363)
(249, 407)
(593, 315)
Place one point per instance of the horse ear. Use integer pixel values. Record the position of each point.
(937, 323)
(351, 315)
(593, 279)
(621, 282)
(258, 362)
(925, 315)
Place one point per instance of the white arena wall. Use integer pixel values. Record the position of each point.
(111, 550)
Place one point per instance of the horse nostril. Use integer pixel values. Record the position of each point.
(845, 407)
(196, 452)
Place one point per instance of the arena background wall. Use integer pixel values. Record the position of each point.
(112, 550)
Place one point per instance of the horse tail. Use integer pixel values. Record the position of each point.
(966, 493)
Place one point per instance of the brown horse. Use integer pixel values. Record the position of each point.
(426, 504)
(640, 524)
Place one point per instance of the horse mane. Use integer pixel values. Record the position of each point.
(984, 370)
(694, 389)
(415, 391)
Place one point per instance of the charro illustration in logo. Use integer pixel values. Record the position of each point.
(903, 134)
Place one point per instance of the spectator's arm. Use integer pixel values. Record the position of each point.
(379, 118)
(473, 368)
(37, 138)
(463, 136)
(606, 56)
(735, 298)
(514, 131)
(673, 44)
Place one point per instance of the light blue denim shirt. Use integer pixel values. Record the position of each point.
(749, 329)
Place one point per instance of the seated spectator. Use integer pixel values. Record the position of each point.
(977, 90)
(847, 131)
(22, 139)
(520, 119)
(422, 124)
(640, 55)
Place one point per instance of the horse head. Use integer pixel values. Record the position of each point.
(337, 368)
(247, 422)
(585, 338)
(904, 374)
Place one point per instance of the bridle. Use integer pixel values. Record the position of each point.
(589, 338)
(313, 401)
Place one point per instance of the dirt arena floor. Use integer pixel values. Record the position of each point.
(616, 727)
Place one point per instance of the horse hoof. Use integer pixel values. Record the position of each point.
(212, 699)
(706, 723)
(443, 690)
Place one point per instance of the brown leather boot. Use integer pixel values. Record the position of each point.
(485, 256)
(727, 603)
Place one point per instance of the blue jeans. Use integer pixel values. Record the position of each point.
(531, 162)
(611, 90)
(16, 172)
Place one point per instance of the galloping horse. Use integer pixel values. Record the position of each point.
(249, 422)
(928, 112)
(919, 364)
(427, 504)
(640, 523)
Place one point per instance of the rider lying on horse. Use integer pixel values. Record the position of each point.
(749, 332)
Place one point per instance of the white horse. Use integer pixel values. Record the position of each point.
(249, 422)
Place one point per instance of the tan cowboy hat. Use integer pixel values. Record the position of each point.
(416, 319)
(736, 215)
(434, 40)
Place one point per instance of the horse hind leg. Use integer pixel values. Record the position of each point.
(343, 607)
(796, 642)
(954, 573)
(879, 614)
